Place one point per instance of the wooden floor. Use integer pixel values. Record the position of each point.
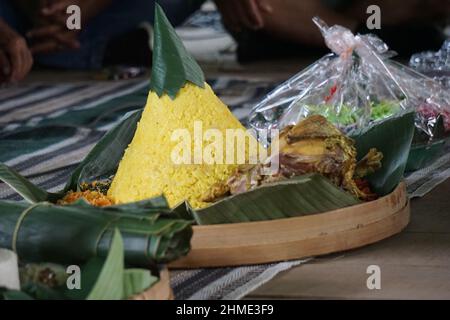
(415, 264)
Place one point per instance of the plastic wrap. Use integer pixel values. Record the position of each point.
(432, 99)
(354, 86)
(436, 65)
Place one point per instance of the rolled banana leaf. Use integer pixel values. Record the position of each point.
(101, 279)
(74, 234)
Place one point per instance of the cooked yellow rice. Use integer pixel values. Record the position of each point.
(147, 169)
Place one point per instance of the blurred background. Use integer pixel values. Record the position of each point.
(33, 33)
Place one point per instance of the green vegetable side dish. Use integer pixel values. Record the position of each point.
(384, 110)
(347, 116)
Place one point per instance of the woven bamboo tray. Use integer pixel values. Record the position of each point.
(299, 237)
(160, 291)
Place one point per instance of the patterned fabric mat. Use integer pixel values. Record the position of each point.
(47, 129)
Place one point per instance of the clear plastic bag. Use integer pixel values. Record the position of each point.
(430, 99)
(356, 85)
(433, 99)
(436, 65)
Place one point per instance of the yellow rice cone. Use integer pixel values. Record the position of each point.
(147, 168)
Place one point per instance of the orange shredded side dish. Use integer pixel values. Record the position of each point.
(95, 198)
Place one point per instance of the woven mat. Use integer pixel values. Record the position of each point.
(47, 129)
(420, 182)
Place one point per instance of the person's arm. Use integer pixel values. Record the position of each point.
(292, 20)
(15, 57)
(243, 14)
(289, 19)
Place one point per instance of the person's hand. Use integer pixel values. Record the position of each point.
(54, 11)
(243, 14)
(15, 57)
(52, 35)
(53, 38)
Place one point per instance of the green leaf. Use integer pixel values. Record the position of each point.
(424, 149)
(75, 234)
(136, 281)
(153, 207)
(423, 154)
(6, 294)
(41, 292)
(90, 272)
(302, 195)
(393, 138)
(109, 284)
(103, 278)
(24, 187)
(172, 65)
(104, 158)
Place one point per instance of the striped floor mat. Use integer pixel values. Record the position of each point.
(47, 129)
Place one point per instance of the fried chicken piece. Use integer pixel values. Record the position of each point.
(314, 145)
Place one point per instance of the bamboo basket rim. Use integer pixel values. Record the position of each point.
(398, 189)
(293, 238)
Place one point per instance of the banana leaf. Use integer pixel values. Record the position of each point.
(393, 138)
(104, 158)
(109, 284)
(25, 188)
(423, 154)
(136, 281)
(423, 151)
(150, 209)
(7, 294)
(100, 162)
(75, 234)
(38, 291)
(172, 65)
(101, 279)
(302, 195)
